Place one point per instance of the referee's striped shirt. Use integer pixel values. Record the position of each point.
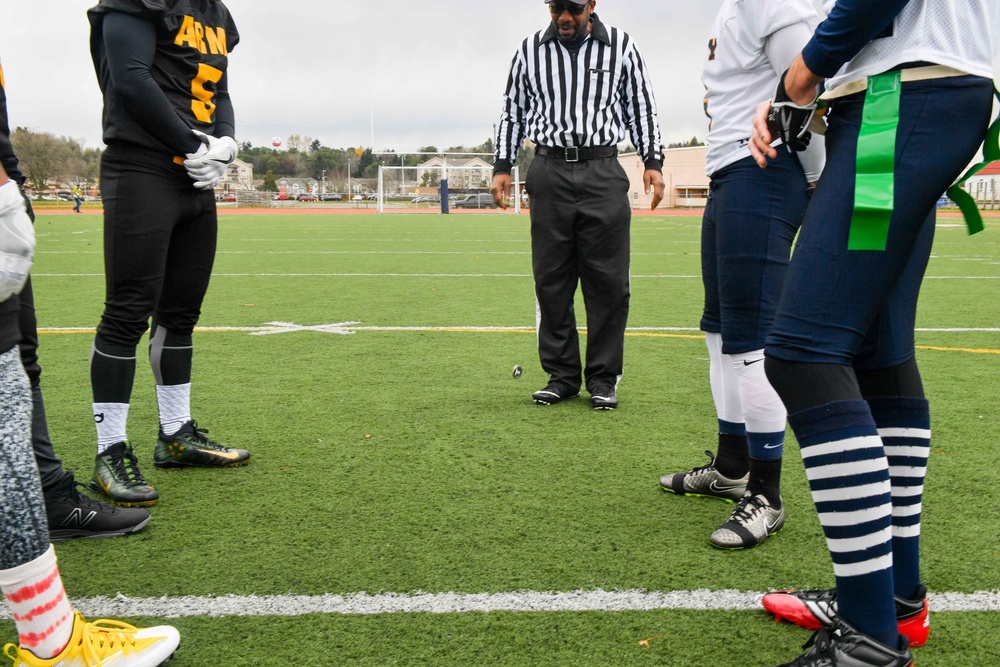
(557, 98)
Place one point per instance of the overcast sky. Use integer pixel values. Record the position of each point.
(431, 73)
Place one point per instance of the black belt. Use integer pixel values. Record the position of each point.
(576, 153)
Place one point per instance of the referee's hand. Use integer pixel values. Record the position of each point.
(653, 178)
(500, 189)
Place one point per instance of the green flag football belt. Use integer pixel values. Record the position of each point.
(874, 186)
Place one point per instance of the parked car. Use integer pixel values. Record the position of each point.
(281, 196)
(481, 200)
(307, 196)
(425, 198)
(331, 196)
(229, 196)
(372, 196)
(63, 194)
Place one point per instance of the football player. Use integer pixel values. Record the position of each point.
(169, 128)
(49, 631)
(69, 512)
(750, 220)
(910, 95)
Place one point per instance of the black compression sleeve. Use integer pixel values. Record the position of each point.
(225, 117)
(130, 44)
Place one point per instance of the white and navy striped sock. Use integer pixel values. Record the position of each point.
(849, 479)
(904, 424)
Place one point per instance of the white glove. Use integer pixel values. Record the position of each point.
(207, 165)
(17, 241)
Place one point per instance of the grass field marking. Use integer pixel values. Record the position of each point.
(971, 350)
(440, 275)
(340, 328)
(460, 603)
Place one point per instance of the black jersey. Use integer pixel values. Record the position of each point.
(193, 41)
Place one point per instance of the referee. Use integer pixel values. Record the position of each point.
(573, 89)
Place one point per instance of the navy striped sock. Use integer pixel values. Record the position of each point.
(904, 423)
(849, 479)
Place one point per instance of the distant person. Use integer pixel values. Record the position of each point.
(77, 197)
(573, 90)
(750, 220)
(169, 130)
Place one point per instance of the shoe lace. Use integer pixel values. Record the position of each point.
(707, 467)
(104, 637)
(819, 645)
(748, 507)
(201, 436)
(127, 469)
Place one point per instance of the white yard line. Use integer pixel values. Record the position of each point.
(457, 603)
(275, 327)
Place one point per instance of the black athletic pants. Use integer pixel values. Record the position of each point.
(159, 245)
(580, 219)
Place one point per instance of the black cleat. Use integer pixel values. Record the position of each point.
(843, 646)
(603, 397)
(72, 514)
(553, 393)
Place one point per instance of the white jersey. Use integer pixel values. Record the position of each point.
(963, 35)
(739, 75)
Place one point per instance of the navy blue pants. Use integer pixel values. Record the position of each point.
(750, 221)
(858, 307)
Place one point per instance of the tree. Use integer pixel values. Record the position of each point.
(691, 143)
(269, 184)
(38, 154)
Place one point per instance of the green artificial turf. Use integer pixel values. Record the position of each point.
(411, 460)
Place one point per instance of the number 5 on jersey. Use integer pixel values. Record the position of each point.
(202, 105)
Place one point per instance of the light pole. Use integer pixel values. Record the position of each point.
(349, 179)
(322, 187)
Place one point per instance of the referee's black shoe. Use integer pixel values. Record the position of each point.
(603, 397)
(72, 514)
(554, 392)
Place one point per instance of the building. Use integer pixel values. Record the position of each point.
(238, 176)
(984, 186)
(685, 184)
(296, 186)
(475, 173)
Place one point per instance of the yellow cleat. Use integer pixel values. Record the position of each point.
(105, 643)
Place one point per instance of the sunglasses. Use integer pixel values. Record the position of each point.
(572, 7)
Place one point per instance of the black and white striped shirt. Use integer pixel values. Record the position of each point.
(557, 97)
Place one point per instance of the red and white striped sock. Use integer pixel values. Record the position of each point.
(38, 603)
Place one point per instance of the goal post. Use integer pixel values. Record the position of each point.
(468, 187)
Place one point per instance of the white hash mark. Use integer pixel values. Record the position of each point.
(285, 327)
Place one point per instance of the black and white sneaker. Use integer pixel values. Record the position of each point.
(603, 397)
(553, 393)
(843, 646)
(752, 522)
(73, 514)
(706, 481)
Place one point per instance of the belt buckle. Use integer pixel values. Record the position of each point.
(572, 153)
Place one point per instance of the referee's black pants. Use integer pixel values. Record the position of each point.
(580, 220)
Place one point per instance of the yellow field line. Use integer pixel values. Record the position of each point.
(644, 334)
(972, 350)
